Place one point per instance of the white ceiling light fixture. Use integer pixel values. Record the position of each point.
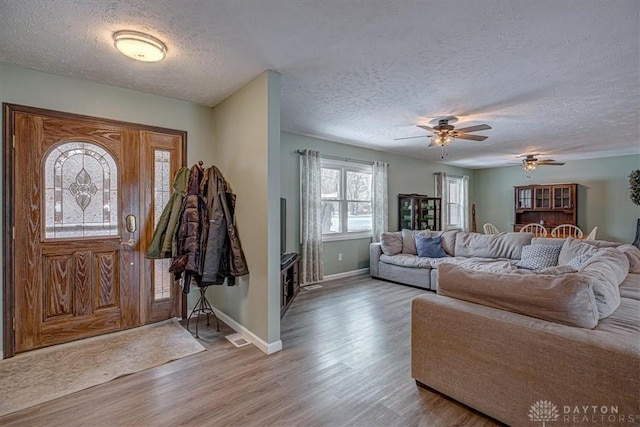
(139, 46)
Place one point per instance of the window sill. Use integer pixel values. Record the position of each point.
(344, 236)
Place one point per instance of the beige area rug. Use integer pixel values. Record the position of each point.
(41, 375)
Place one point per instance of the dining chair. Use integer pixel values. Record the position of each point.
(537, 229)
(592, 234)
(490, 229)
(567, 230)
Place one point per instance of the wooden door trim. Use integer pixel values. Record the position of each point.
(8, 198)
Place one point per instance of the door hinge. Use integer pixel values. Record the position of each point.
(14, 323)
(13, 141)
(13, 232)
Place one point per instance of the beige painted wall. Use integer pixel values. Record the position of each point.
(603, 194)
(406, 175)
(32, 88)
(246, 135)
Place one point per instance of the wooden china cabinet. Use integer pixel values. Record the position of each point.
(418, 212)
(549, 205)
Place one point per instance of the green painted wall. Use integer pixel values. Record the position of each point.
(246, 135)
(406, 175)
(603, 194)
(32, 88)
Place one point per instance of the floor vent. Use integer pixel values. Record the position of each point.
(311, 287)
(237, 340)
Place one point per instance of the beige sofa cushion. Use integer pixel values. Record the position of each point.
(406, 260)
(564, 298)
(633, 256)
(608, 268)
(391, 242)
(503, 245)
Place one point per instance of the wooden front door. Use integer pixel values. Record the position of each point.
(86, 195)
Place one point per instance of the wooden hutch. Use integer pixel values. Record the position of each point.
(549, 205)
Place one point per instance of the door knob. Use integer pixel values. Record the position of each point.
(130, 242)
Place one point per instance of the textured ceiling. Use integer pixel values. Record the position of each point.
(560, 78)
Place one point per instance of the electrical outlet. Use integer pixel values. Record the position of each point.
(339, 257)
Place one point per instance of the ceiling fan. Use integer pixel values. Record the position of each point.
(444, 133)
(530, 162)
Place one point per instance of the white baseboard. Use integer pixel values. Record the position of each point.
(267, 348)
(345, 274)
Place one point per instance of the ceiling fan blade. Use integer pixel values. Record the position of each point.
(471, 137)
(474, 128)
(430, 129)
(433, 144)
(549, 163)
(412, 137)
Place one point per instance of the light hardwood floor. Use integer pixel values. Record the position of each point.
(345, 362)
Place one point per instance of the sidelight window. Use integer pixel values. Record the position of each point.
(162, 279)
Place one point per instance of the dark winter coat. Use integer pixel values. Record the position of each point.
(193, 216)
(224, 257)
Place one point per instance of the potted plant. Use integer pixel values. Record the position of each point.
(634, 194)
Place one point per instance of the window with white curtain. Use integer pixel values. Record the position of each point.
(454, 191)
(455, 202)
(346, 200)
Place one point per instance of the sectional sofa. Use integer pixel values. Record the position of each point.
(559, 344)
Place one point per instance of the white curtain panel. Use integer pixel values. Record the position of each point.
(441, 191)
(465, 198)
(310, 217)
(380, 199)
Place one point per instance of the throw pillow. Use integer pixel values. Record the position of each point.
(536, 257)
(409, 239)
(572, 248)
(430, 247)
(578, 261)
(391, 242)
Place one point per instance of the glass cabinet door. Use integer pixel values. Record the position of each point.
(524, 198)
(562, 197)
(426, 217)
(406, 213)
(543, 198)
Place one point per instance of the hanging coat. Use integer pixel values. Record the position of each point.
(193, 214)
(223, 257)
(164, 243)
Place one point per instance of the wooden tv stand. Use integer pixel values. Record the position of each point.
(289, 281)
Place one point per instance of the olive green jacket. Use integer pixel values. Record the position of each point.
(164, 243)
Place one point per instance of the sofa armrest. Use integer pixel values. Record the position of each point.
(375, 250)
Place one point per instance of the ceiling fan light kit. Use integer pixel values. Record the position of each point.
(444, 133)
(531, 163)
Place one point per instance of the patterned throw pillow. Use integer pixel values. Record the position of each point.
(536, 257)
(578, 261)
